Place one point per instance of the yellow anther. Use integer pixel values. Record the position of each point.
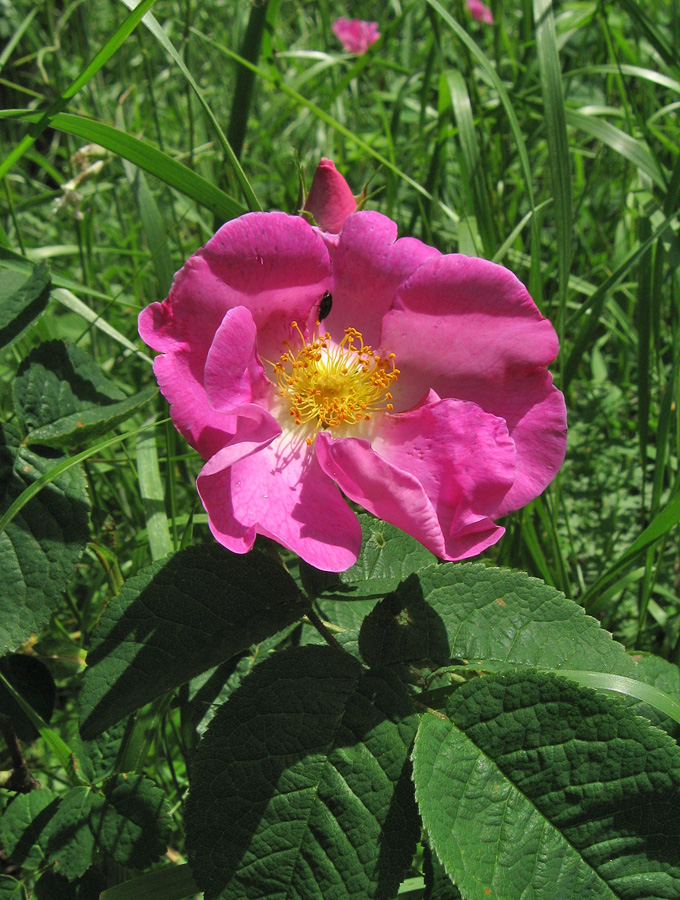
(330, 384)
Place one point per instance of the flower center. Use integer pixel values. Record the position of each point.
(331, 384)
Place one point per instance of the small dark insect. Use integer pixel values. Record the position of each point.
(325, 305)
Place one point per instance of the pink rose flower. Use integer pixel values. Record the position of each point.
(355, 35)
(304, 365)
(480, 11)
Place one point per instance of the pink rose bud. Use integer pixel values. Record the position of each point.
(355, 35)
(330, 199)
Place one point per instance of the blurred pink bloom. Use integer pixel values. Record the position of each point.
(423, 395)
(480, 11)
(330, 199)
(355, 35)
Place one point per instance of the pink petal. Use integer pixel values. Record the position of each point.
(233, 372)
(369, 265)
(355, 35)
(274, 264)
(438, 472)
(467, 328)
(280, 492)
(539, 431)
(330, 199)
(180, 381)
(480, 11)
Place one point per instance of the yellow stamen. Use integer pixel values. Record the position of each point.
(333, 384)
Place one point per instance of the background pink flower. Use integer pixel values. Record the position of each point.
(423, 395)
(355, 35)
(480, 11)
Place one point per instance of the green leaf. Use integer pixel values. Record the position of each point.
(71, 843)
(168, 883)
(387, 557)
(11, 889)
(179, 617)
(536, 786)
(24, 827)
(345, 599)
(51, 886)
(32, 679)
(664, 676)
(62, 398)
(470, 611)
(211, 689)
(438, 885)
(22, 300)
(41, 544)
(128, 821)
(133, 825)
(92, 422)
(300, 787)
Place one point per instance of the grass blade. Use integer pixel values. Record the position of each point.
(147, 157)
(632, 149)
(154, 27)
(100, 59)
(668, 518)
(558, 144)
(471, 158)
(153, 495)
(262, 17)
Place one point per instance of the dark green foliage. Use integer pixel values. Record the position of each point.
(41, 544)
(301, 785)
(63, 399)
(22, 300)
(205, 600)
(126, 819)
(52, 886)
(11, 889)
(32, 679)
(25, 825)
